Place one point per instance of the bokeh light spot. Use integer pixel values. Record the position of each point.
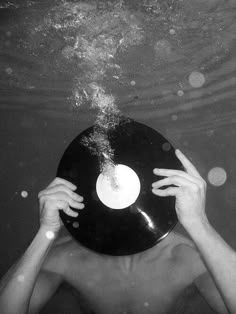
(174, 117)
(50, 235)
(196, 79)
(24, 194)
(132, 83)
(21, 278)
(180, 93)
(75, 224)
(9, 71)
(166, 147)
(217, 176)
(210, 133)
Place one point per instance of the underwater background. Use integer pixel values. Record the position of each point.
(66, 65)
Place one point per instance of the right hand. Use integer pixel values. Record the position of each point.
(59, 195)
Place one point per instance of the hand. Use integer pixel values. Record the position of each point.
(189, 190)
(59, 195)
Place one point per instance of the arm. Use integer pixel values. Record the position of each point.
(17, 286)
(189, 190)
(45, 287)
(220, 261)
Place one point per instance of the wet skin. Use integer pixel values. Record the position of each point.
(148, 282)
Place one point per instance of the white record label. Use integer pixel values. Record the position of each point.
(118, 187)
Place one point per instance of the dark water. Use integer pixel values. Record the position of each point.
(168, 64)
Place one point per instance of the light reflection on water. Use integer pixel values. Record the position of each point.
(56, 54)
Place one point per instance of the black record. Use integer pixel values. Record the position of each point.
(139, 226)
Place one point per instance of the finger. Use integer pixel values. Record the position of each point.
(61, 188)
(77, 205)
(173, 172)
(70, 212)
(173, 180)
(187, 164)
(63, 205)
(62, 196)
(58, 180)
(167, 192)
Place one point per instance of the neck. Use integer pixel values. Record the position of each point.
(128, 263)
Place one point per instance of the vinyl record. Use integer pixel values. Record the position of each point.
(148, 219)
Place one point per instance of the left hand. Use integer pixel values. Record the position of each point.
(189, 190)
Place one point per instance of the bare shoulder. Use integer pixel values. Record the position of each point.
(183, 250)
(65, 251)
(56, 260)
(174, 246)
(182, 247)
(181, 244)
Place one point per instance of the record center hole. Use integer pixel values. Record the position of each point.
(118, 186)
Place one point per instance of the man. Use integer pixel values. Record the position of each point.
(148, 282)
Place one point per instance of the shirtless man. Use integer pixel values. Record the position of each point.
(148, 282)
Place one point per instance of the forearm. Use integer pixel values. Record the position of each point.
(17, 285)
(219, 258)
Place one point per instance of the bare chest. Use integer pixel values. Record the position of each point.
(148, 287)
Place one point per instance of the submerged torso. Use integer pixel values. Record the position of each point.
(149, 282)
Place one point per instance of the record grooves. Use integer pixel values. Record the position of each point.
(139, 226)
